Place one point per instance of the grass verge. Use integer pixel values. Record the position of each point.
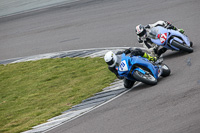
(32, 92)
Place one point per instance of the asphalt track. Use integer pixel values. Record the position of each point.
(172, 106)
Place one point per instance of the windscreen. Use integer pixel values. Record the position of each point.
(153, 33)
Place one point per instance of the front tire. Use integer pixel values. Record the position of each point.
(182, 46)
(128, 83)
(145, 78)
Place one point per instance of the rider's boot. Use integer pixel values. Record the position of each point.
(150, 58)
(174, 28)
(161, 51)
(181, 31)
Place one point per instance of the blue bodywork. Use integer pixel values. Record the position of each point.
(171, 35)
(127, 62)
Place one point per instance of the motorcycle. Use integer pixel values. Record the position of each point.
(170, 39)
(137, 68)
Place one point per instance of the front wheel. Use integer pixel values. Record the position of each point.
(183, 47)
(146, 78)
(128, 83)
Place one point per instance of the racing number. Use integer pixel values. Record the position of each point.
(163, 37)
(122, 65)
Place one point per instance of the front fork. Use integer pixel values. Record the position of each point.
(157, 75)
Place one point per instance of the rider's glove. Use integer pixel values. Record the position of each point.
(147, 26)
(167, 22)
(127, 51)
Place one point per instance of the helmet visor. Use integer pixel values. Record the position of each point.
(142, 33)
(110, 62)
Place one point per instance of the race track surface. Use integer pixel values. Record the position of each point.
(171, 106)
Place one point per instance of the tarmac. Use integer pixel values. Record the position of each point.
(172, 106)
(14, 7)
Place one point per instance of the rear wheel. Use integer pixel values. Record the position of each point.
(165, 70)
(145, 78)
(183, 46)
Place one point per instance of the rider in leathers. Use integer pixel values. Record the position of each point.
(144, 37)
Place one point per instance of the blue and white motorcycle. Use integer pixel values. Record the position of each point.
(137, 68)
(170, 39)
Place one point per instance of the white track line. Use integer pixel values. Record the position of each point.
(91, 109)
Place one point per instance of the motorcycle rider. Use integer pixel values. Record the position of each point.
(113, 60)
(144, 37)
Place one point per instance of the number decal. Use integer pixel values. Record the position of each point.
(162, 37)
(123, 66)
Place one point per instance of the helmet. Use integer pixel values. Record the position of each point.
(110, 58)
(140, 30)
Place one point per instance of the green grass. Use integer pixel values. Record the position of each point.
(32, 92)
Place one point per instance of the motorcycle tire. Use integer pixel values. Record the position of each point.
(165, 70)
(145, 78)
(182, 46)
(128, 83)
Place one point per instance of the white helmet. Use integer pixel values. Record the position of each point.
(140, 30)
(110, 58)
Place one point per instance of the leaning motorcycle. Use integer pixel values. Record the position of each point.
(170, 39)
(137, 68)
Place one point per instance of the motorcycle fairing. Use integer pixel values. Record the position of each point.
(135, 60)
(171, 35)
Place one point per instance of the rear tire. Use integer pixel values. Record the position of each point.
(165, 70)
(145, 78)
(182, 46)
